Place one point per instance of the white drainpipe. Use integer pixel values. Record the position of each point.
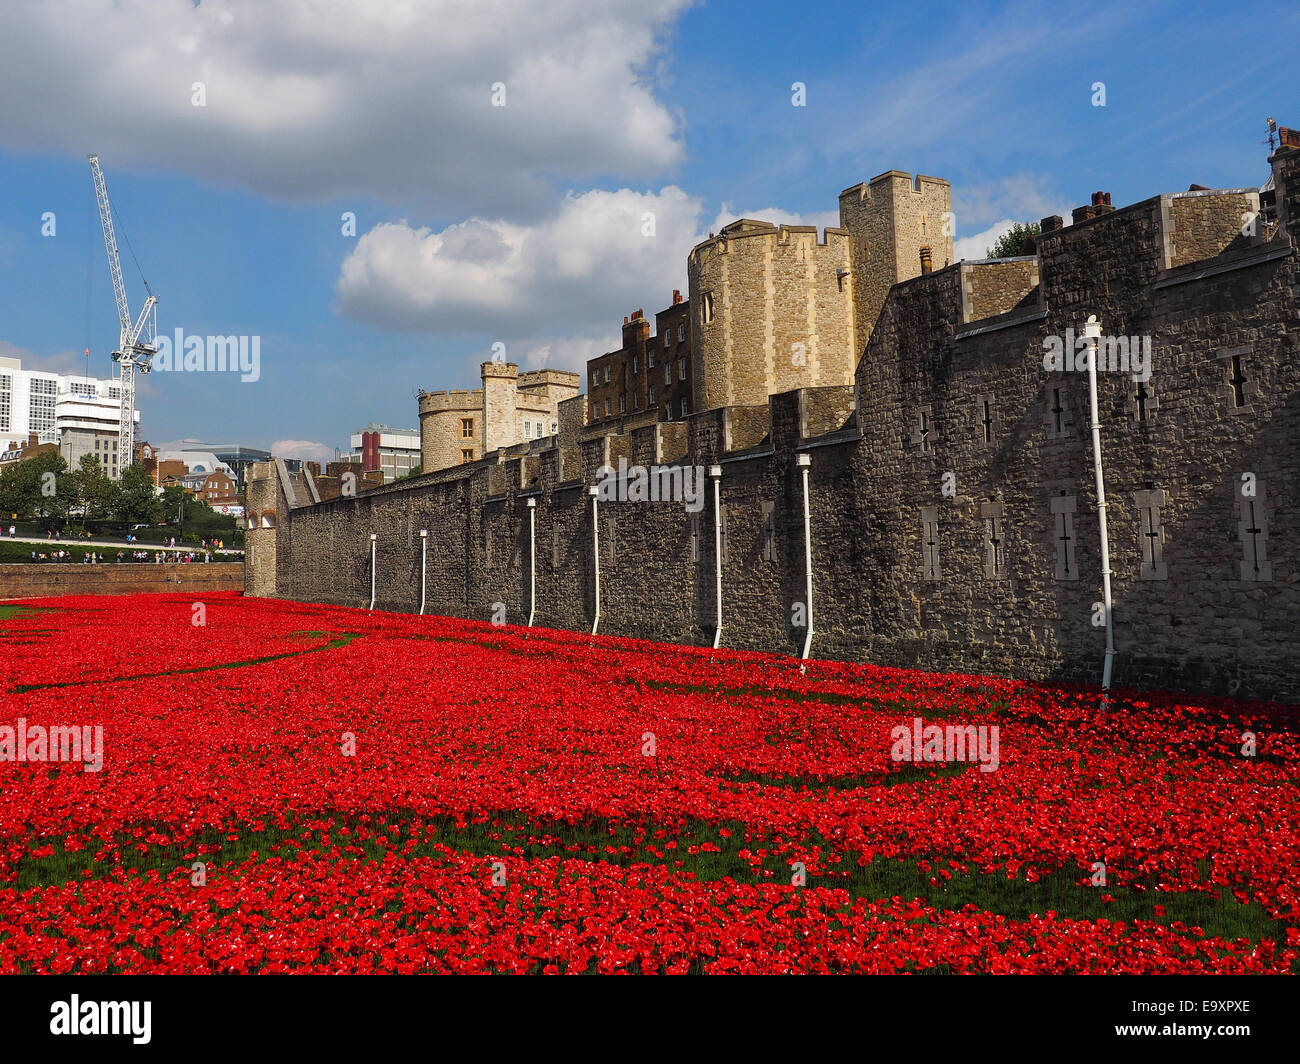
(373, 538)
(1092, 332)
(532, 560)
(715, 472)
(424, 557)
(595, 547)
(803, 461)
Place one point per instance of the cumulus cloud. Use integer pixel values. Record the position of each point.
(308, 100)
(307, 450)
(598, 251)
(1026, 197)
(554, 291)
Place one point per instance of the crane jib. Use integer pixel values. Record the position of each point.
(131, 352)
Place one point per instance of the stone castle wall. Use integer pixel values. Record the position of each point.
(953, 513)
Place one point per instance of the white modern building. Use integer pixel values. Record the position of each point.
(80, 414)
(393, 452)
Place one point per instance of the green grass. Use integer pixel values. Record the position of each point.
(513, 835)
(333, 644)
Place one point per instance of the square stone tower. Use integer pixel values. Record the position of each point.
(889, 220)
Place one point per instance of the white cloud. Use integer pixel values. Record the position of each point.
(319, 99)
(307, 450)
(555, 291)
(567, 272)
(70, 362)
(822, 220)
(1027, 197)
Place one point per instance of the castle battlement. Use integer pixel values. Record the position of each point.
(952, 520)
(450, 400)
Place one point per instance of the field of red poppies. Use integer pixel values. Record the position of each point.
(288, 787)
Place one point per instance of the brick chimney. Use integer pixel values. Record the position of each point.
(927, 263)
(1050, 224)
(1285, 162)
(677, 296)
(636, 330)
(1100, 205)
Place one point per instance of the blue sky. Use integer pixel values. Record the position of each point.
(523, 223)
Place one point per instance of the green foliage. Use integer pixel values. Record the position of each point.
(95, 495)
(136, 501)
(25, 489)
(1018, 240)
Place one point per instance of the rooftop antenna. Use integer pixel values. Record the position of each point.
(1272, 135)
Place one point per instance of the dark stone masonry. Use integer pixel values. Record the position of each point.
(953, 513)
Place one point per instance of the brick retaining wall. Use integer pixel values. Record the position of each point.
(38, 580)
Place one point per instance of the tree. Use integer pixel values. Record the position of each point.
(1018, 240)
(29, 489)
(95, 493)
(137, 503)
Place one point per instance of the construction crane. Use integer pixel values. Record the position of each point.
(131, 352)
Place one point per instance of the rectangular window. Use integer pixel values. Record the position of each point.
(995, 548)
(1151, 534)
(924, 430)
(668, 373)
(635, 363)
(684, 410)
(706, 308)
(528, 430)
(652, 395)
(681, 333)
(622, 403)
(467, 428)
(769, 532)
(1059, 417)
(1253, 531)
(681, 369)
(1063, 509)
(650, 358)
(1239, 385)
(930, 543)
(467, 455)
(607, 373)
(41, 407)
(607, 408)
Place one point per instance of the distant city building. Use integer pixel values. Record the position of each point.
(20, 452)
(196, 461)
(234, 457)
(218, 489)
(392, 452)
(77, 413)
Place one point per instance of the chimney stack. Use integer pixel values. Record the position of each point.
(1050, 224)
(927, 263)
(677, 296)
(1100, 205)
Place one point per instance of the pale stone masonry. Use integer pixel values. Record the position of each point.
(461, 426)
(953, 512)
(775, 309)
